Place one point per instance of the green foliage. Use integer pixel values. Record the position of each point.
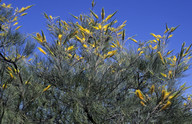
(86, 74)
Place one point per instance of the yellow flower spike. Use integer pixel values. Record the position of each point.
(139, 94)
(11, 75)
(189, 98)
(41, 50)
(97, 28)
(84, 30)
(174, 58)
(58, 43)
(15, 19)
(23, 14)
(155, 47)
(154, 41)
(139, 49)
(153, 35)
(164, 75)
(69, 55)
(84, 45)
(105, 26)
(50, 17)
(113, 45)
(166, 95)
(110, 54)
(169, 52)
(142, 103)
(172, 96)
(171, 35)
(15, 23)
(166, 105)
(120, 33)
(9, 69)
(70, 48)
(29, 60)
(185, 104)
(133, 40)
(150, 46)
(189, 57)
(158, 36)
(79, 39)
(4, 5)
(4, 86)
(38, 36)
(115, 21)
(161, 57)
(60, 37)
(152, 89)
(24, 9)
(166, 30)
(45, 89)
(110, 16)
(141, 52)
(18, 27)
(26, 82)
(9, 6)
(170, 74)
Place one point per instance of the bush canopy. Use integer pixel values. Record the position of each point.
(85, 72)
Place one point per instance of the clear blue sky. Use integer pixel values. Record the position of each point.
(143, 16)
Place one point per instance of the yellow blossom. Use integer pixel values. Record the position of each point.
(23, 14)
(11, 75)
(50, 17)
(29, 59)
(139, 94)
(153, 35)
(133, 40)
(9, 69)
(70, 48)
(110, 54)
(40, 49)
(174, 58)
(141, 52)
(84, 45)
(166, 105)
(45, 89)
(60, 37)
(164, 75)
(18, 27)
(139, 49)
(142, 103)
(160, 56)
(155, 47)
(185, 104)
(15, 23)
(171, 35)
(4, 86)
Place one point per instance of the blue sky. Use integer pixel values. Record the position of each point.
(143, 16)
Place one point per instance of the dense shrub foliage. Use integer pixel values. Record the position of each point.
(87, 73)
